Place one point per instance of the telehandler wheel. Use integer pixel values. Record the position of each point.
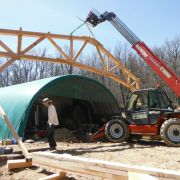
(170, 132)
(117, 130)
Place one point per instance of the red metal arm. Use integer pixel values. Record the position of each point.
(158, 66)
(142, 49)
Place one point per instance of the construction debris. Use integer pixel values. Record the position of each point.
(29, 141)
(64, 135)
(6, 157)
(7, 142)
(6, 150)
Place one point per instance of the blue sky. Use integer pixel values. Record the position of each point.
(153, 21)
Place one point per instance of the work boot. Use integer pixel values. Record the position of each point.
(52, 148)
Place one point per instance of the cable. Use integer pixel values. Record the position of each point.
(78, 28)
(84, 23)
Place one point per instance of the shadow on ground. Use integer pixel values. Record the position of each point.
(112, 147)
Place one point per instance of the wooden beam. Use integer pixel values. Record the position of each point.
(113, 68)
(6, 64)
(19, 45)
(80, 65)
(108, 63)
(132, 83)
(5, 47)
(59, 176)
(79, 52)
(104, 169)
(101, 58)
(57, 47)
(6, 157)
(11, 32)
(116, 61)
(76, 165)
(19, 163)
(71, 48)
(33, 45)
(72, 63)
(18, 140)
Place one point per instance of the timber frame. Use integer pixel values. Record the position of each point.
(109, 62)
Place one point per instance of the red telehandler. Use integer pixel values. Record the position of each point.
(148, 112)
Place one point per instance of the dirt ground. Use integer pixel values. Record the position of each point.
(142, 152)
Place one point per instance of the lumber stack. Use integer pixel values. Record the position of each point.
(99, 168)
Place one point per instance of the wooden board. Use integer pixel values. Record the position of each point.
(20, 163)
(140, 176)
(6, 157)
(59, 176)
(105, 169)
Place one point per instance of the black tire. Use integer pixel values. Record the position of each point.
(170, 132)
(117, 130)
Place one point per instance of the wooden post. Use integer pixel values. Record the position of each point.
(19, 141)
(18, 163)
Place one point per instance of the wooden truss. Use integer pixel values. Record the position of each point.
(109, 63)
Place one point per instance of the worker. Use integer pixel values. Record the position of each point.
(52, 122)
(138, 104)
(141, 103)
(177, 108)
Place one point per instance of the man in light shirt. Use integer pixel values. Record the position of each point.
(52, 122)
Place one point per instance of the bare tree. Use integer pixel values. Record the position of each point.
(169, 52)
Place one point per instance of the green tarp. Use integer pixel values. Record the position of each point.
(17, 100)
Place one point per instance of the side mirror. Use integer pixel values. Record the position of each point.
(176, 108)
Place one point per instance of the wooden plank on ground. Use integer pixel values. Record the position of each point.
(59, 176)
(20, 163)
(140, 176)
(99, 168)
(6, 157)
(65, 164)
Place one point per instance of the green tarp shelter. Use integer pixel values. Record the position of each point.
(17, 100)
